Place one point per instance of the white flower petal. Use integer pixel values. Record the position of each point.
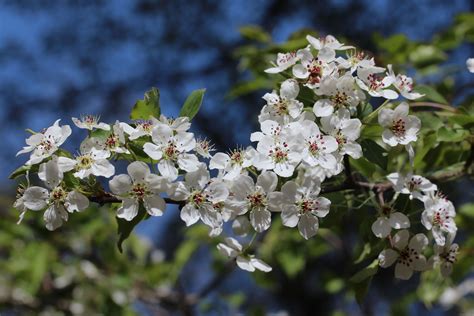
(387, 257)
(308, 225)
(189, 214)
(128, 210)
(154, 205)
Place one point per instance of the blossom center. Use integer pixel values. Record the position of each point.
(407, 255)
(279, 154)
(84, 161)
(140, 191)
(58, 195)
(257, 200)
(398, 127)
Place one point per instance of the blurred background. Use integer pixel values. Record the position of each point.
(66, 58)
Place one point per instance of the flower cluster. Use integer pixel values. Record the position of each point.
(303, 141)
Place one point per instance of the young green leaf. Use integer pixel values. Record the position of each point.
(430, 94)
(149, 106)
(192, 104)
(374, 153)
(126, 227)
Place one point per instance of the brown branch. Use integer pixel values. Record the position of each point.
(445, 107)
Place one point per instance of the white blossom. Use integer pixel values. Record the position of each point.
(407, 255)
(283, 107)
(140, 186)
(142, 128)
(369, 80)
(387, 220)
(283, 62)
(203, 199)
(171, 149)
(470, 64)
(90, 161)
(345, 130)
(301, 206)
(233, 249)
(400, 128)
(318, 148)
(233, 163)
(278, 149)
(411, 184)
(90, 122)
(445, 257)
(338, 93)
(257, 198)
(57, 201)
(314, 69)
(328, 42)
(44, 144)
(404, 85)
(438, 217)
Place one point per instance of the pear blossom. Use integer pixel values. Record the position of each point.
(114, 142)
(283, 107)
(345, 130)
(403, 84)
(301, 205)
(57, 201)
(355, 61)
(314, 69)
(90, 122)
(43, 145)
(318, 148)
(406, 254)
(387, 220)
(400, 128)
(203, 198)
(179, 124)
(233, 163)
(233, 249)
(283, 62)
(339, 93)
(411, 184)
(19, 203)
(204, 148)
(470, 64)
(327, 42)
(278, 149)
(142, 128)
(445, 257)
(369, 80)
(257, 198)
(90, 161)
(171, 149)
(140, 186)
(438, 217)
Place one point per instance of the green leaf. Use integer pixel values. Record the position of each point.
(374, 153)
(255, 33)
(451, 135)
(361, 289)
(126, 227)
(364, 110)
(371, 131)
(19, 172)
(366, 272)
(430, 94)
(192, 104)
(462, 119)
(149, 106)
(425, 55)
